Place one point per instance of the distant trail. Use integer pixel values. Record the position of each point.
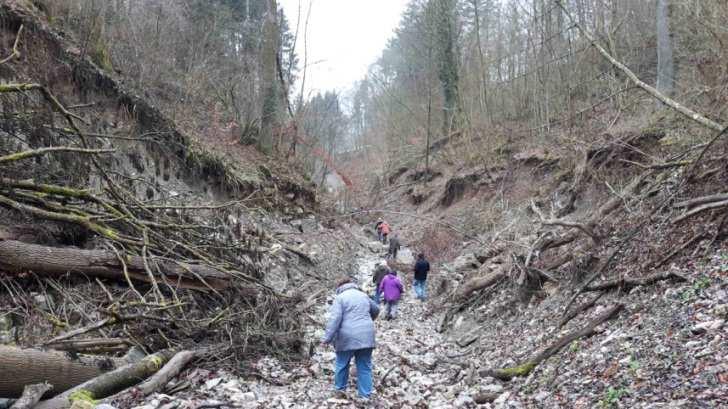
(417, 216)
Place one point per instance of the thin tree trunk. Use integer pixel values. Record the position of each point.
(664, 50)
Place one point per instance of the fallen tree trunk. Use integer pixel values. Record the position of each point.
(626, 284)
(31, 395)
(24, 233)
(20, 367)
(91, 345)
(478, 283)
(506, 374)
(54, 261)
(109, 383)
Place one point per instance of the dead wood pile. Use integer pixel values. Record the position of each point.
(114, 271)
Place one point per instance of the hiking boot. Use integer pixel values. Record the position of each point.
(371, 402)
(340, 395)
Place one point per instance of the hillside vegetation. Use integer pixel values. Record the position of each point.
(175, 208)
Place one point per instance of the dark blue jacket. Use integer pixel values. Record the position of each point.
(421, 269)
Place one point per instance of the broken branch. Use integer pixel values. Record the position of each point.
(31, 395)
(14, 53)
(699, 209)
(169, 371)
(42, 151)
(631, 75)
(627, 284)
(506, 374)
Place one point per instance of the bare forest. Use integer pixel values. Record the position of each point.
(182, 206)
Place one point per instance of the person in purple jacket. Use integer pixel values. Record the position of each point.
(392, 289)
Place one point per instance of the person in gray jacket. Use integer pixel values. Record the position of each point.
(351, 331)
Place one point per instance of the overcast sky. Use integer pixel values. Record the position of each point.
(344, 38)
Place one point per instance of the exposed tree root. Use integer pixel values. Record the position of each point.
(506, 374)
(702, 200)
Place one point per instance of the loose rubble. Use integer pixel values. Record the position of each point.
(666, 350)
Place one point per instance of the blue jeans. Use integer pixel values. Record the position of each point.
(420, 289)
(363, 358)
(377, 296)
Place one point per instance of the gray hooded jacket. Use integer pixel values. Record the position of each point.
(351, 324)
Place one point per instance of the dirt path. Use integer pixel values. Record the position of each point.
(414, 366)
(408, 358)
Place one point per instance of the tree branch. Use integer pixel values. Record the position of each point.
(14, 53)
(702, 120)
(31, 395)
(42, 151)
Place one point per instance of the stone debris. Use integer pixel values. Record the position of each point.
(666, 350)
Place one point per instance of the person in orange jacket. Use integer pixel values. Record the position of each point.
(385, 229)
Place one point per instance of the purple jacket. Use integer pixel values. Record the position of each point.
(391, 287)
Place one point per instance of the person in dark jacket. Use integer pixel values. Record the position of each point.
(351, 331)
(422, 267)
(393, 247)
(380, 271)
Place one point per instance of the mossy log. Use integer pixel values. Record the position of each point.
(110, 383)
(525, 368)
(56, 261)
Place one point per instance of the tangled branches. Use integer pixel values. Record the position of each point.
(158, 274)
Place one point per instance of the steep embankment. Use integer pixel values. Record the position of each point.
(535, 246)
(119, 232)
(149, 145)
